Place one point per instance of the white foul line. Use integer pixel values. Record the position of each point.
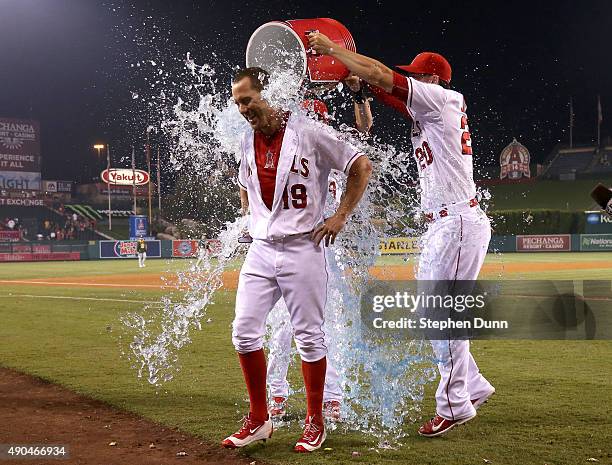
(77, 298)
(56, 283)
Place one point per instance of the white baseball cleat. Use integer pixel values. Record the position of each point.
(251, 431)
(313, 437)
(481, 400)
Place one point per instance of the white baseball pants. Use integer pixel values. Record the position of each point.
(454, 248)
(293, 268)
(142, 256)
(278, 365)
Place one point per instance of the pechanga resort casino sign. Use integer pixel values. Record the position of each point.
(19, 145)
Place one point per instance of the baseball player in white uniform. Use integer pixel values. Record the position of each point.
(280, 342)
(284, 168)
(458, 235)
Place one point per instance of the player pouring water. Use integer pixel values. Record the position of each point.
(458, 235)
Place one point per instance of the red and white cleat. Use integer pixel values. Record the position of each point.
(251, 431)
(437, 426)
(313, 436)
(481, 400)
(278, 407)
(332, 411)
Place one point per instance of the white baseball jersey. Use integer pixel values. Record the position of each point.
(310, 150)
(440, 140)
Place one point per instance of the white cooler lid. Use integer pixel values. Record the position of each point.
(275, 46)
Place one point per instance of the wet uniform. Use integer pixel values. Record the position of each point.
(456, 241)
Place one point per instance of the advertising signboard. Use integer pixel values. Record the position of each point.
(19, 145)
(544, 243)
(127, 249)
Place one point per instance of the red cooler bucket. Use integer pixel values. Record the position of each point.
(279, 45)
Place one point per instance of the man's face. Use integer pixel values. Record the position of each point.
(250, 104)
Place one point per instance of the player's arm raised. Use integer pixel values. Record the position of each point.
(363, 113)
(356, 183)
(370, 70)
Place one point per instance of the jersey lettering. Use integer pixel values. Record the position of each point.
(424, 155)
(466, 138)
(302, 168)
(299, 197)
(305, 172)
(333, 188)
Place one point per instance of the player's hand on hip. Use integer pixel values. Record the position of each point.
(320, 43)
(329, 229)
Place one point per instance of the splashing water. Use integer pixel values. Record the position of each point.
(382, 381)
(158, 337)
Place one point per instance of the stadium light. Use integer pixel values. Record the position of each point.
(99, 147)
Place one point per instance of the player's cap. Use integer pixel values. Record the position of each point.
(316, 106)
(429, 63)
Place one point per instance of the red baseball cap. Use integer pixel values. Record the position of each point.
(316, 106)
(429, 63)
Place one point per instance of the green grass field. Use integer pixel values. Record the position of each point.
(551, 407)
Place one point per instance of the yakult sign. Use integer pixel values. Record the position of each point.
(124, 177)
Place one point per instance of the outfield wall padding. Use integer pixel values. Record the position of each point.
(66, 250)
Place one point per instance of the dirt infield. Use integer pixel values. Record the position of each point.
(488, 270)
(139, 281)
(35, 412)
(230, 278)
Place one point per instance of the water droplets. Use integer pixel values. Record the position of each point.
(382, 380)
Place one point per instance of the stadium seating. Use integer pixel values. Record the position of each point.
(604, 161)
(46, 223)
(570, 161)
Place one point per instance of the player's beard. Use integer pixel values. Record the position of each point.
(259, 120)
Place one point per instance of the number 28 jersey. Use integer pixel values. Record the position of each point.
(309, 151)
(440, 140)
